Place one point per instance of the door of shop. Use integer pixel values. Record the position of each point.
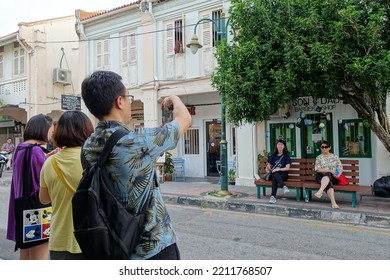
(315, 128)
(213, 138)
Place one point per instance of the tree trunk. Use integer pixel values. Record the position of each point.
(379, 128)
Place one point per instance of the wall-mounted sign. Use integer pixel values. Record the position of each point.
(309, 104)
(70, 102)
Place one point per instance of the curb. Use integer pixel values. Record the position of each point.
(345, 217)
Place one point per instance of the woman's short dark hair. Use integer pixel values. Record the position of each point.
(37, 128)
(100, 90)
(72, 129)
(285, 150)
(326, 143)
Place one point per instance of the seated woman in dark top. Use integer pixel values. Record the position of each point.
(279, 164)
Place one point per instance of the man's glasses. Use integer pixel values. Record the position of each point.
(129, 96)
(324, 147)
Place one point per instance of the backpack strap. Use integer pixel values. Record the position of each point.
(112, 140)
(27, 168)
(60, 174)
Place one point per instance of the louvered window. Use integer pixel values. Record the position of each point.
(102, 54)
(19, 61)
(217, 34)
(1, 65)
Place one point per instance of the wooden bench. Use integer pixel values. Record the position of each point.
(350, 170)
(297, 170)
(302, 178)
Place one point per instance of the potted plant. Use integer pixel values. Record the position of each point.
(261, 161)
(168, 166)
(232, 177)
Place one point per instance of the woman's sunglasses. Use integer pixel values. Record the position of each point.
(324, 147)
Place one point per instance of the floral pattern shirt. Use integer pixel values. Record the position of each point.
(131, 167)
(331, 162)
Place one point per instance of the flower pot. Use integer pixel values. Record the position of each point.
(168, 177)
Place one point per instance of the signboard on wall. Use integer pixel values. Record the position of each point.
(70, 102)
(309, 104)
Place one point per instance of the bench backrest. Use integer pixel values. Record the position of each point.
(350, 170)
(297, 168)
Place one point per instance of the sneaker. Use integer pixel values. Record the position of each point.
(272, 200)
(285, 189)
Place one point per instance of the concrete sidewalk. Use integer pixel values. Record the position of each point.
(370, 211)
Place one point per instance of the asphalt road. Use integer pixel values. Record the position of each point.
(209, 234)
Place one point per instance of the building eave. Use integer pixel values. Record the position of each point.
(7, 39)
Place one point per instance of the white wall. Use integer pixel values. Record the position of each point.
(246, 155)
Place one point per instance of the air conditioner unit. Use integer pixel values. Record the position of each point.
(62, 76)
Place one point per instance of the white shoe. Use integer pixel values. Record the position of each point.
(285, 189)
(272, 200)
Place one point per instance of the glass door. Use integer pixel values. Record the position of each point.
(285, 131)
(315, 128)
(213, 138)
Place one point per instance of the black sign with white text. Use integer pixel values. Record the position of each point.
(70, 102)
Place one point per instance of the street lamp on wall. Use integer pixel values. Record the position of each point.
(194, 45)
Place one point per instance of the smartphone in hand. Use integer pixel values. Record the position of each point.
(167, 115)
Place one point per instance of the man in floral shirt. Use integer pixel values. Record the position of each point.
(131, 165)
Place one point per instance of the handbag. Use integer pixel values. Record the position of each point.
(267, 174)
(343, 180)
(32, 218)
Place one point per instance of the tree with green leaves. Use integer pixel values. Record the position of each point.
(285, 49)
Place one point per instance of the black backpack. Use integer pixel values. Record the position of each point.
(103, 228)
(381, 187)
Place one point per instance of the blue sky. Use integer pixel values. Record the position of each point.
(14, 12)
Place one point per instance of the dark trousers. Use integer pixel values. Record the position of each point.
(278, 179)
(332, 180)
(169, 253)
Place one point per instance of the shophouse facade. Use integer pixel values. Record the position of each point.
(145, 43)
(38, 67)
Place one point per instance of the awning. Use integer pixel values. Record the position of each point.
(15, 112)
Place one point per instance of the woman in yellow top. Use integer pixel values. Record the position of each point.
(60, 176)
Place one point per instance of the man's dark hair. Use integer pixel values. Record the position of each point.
(72, 129)
(37, 128)
(99, 91)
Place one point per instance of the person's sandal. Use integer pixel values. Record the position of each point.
(318, 195)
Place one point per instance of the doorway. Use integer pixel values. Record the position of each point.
(213, 138)
(315, 128)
